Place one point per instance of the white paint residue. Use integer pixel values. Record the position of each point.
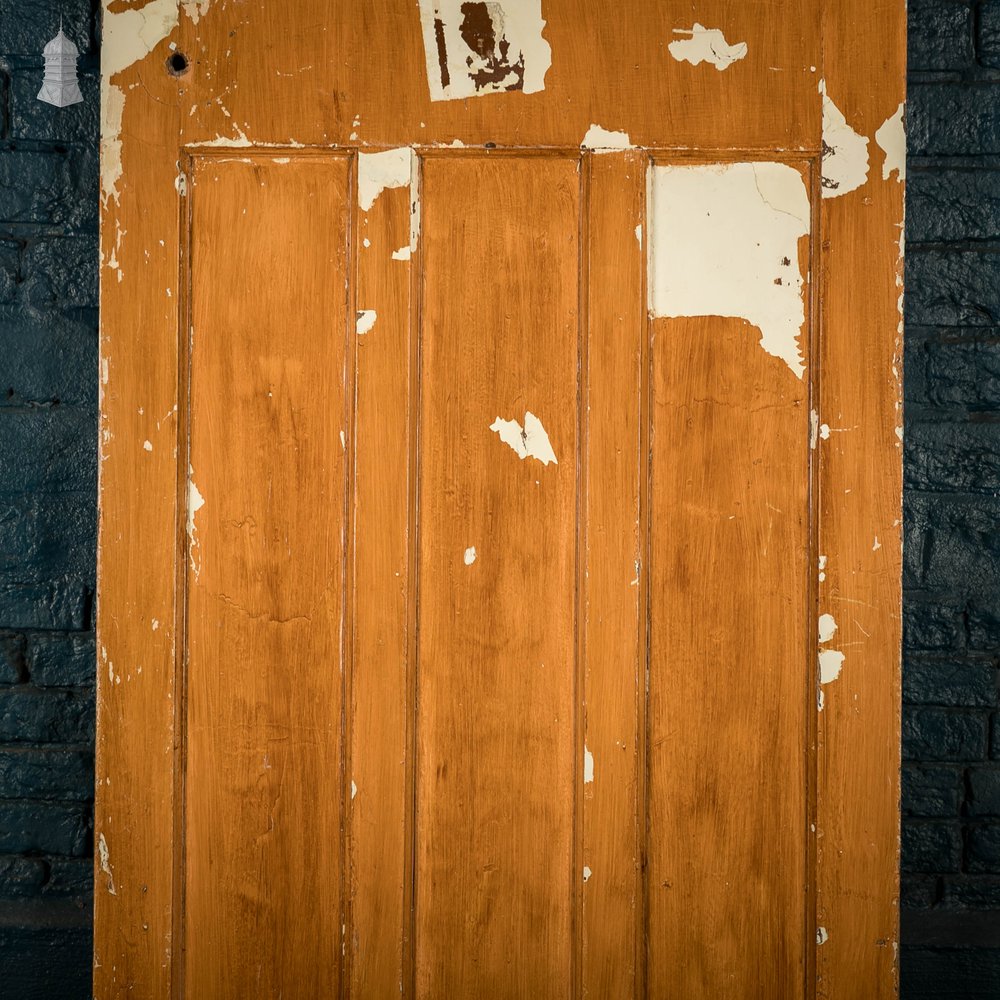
(600, 140)
(127, 36)
(105, 860)
(104, 371)
(824, 432)
(588, 766)
(587, 873)
(827, 626)
(147, 445)
(531, 440)
(845, 153)
(354, 790)
(724, 241)
(378, 171)
(365, 320)
(403, 253)
(156, 624)
(830, 663)
(821, 935)
(470, 555)
(891, 138)
(195, 9)
(343, 441)
(638, 234)
(706, 45)
(813, 429)
(195, 502)
(876, 545)
(822, 568)
(483, 48)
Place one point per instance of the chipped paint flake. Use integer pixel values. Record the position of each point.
(587, 873)
(195, 502)
(531, 440)
(702, 44)
(601, 140)
(196, 9)
(104, 856)
(827, 627)
(470, 555)
(365, 320)
(845, 152)
(403, 253)
(724, 241)
(377, 171)
(128, 35)
(147, 445)
(354, 790)
(588, 766)
(830, 663)
(486, 47)
(821, 935)
(891, 138)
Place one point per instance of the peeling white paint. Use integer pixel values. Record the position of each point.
(587, 873)
(845, 152)
(484, 48)
(824, 432)
(724, 241)
(195, 502)
(390, 168)
(196, 9)
(822, 568)
(127, 36)
(876, 545)
(827, 627)
(813, 429)
(105, 859)
(469, 556)
(601, 140)
(354, 790)
(403, 253)
(706, 45)
(365, 320)
(821, 935)
(156, 624)
(588, 766)
(147, 445)
(891, 138)
(343, 441)
(830, 663)
(531, 440)
(638, 234)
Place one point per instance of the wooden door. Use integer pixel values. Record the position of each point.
(500, 495)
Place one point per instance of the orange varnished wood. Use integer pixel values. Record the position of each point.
(497, 650)
(728, 676)
(381, 559)
(266, 578)
(614, 636)
(358, 766)
(860, 466)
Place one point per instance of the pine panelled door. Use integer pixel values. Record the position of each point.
(499, 563)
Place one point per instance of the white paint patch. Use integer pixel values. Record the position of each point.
(354, 790)
(588, 766)
(813, 429)
(195, 502)
(587, 873)
(195, 9)
(876, 545)
(156, 624)
(638, 234)
(484, 48)
(822, 568)
(821, 935)
(343, 441)
(706, 45)
(470, 555)
(127, 36)
(147, 445)
(377, 171)
(845, 152)
(531, 440)
(830, 663)
(891, 138)
(403, 253)
(724, 241)
(105, 859)
(600, 140)
(365, 320)
(827, 627)
(824, 432)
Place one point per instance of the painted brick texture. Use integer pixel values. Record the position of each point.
(48, 477)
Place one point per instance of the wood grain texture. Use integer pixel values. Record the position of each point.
(728, 610)
(496, 685)
(614, 635)
(381, 699)
(860, 486)
(264, 780)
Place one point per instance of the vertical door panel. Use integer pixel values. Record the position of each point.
(266, 530)
(497, 576)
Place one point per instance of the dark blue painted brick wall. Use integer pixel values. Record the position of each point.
(48, 472)
(951, 633)
(48, 389)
